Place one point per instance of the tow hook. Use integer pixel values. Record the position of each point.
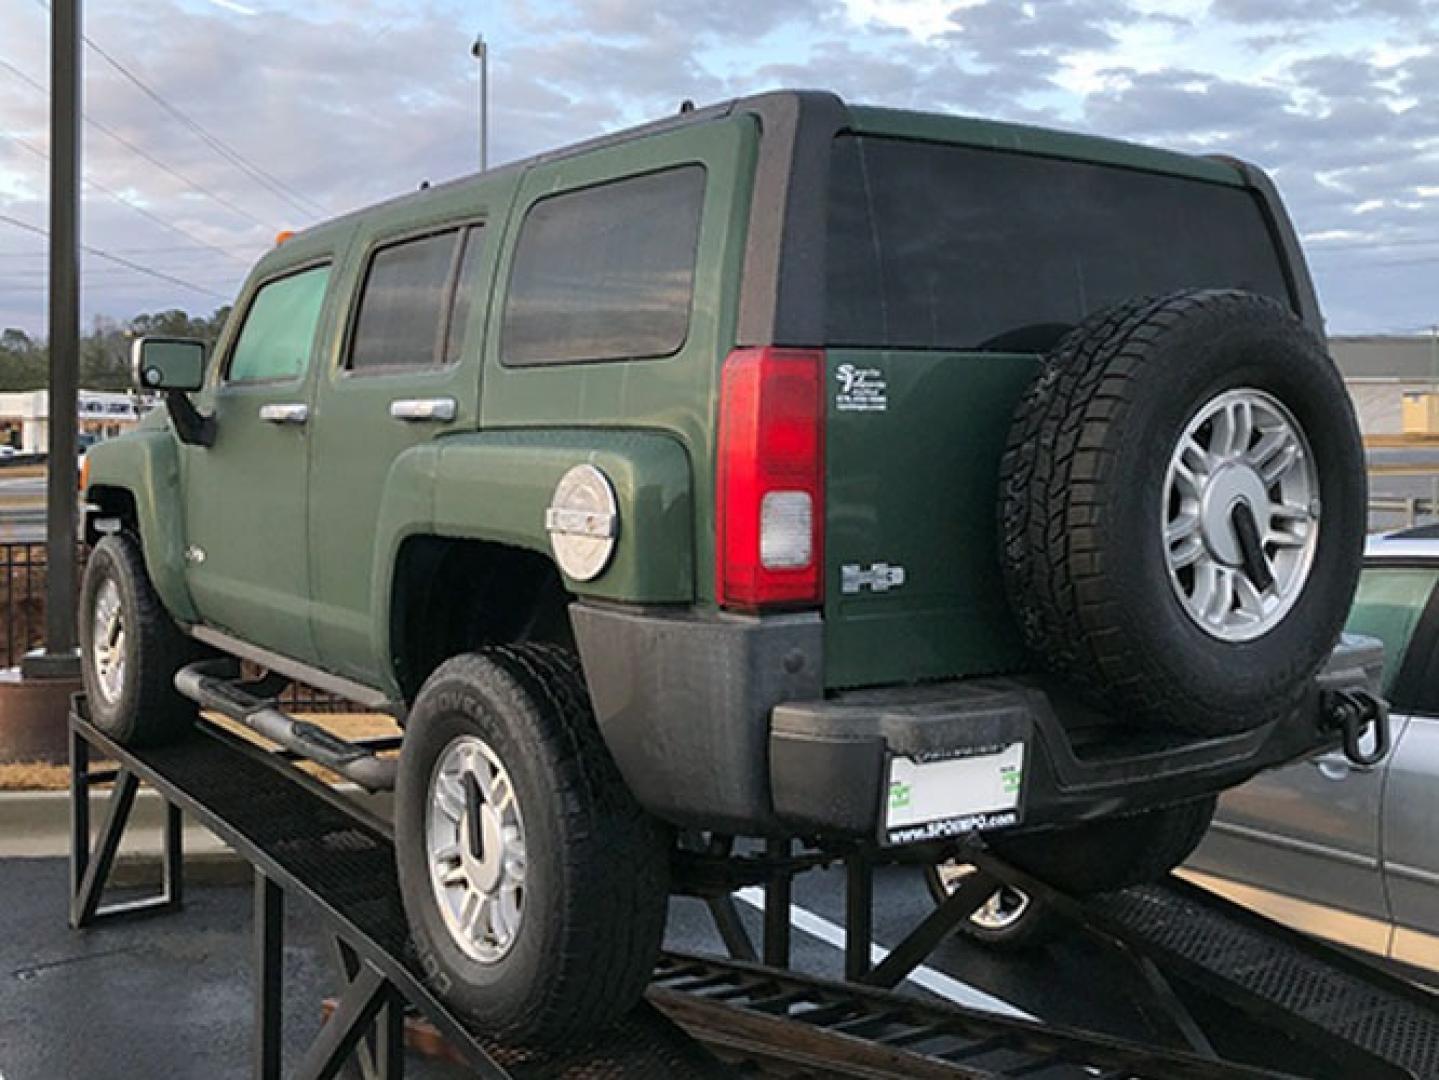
(1351, 711)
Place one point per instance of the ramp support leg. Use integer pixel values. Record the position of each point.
(858, 915)
(268, 972)
(937, 925)
(778, 898)
(90, 868)
(380, 1054)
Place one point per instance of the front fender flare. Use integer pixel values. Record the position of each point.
(147, 465)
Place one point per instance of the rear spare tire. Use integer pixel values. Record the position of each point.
(1183, 510)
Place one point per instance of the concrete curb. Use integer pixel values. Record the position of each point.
(36, 825)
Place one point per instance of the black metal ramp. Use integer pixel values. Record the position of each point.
(1290, 980)
(307, 840)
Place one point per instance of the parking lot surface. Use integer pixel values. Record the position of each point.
(171, 996)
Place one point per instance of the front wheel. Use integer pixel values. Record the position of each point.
(130, 649)
(1010, 919)
(534, 884)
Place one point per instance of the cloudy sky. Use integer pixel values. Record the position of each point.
(214, 123)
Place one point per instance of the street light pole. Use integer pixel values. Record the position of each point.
(59, 657)
(481, 52)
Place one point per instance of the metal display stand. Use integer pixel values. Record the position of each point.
(1194, 956)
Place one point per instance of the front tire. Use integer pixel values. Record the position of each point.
(534, 884)
(1010, 920)
(130, 649)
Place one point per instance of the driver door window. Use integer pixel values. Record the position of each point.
(279, 331)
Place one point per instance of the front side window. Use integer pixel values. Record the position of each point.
(279, 331)
(403, 304)
(607, 272)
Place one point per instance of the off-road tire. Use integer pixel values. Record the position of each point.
(596, 891)
(1112, 853)
(148, 710)
(1081, 505)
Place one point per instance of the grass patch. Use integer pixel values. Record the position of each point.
(34, 776)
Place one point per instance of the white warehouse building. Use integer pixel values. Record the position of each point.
(25, 417)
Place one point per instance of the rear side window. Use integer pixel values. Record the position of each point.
(935, 246)
(605, 273)
(413, 290)
(278, 335)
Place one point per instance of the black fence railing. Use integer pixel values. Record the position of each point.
(22, 600)
(22, 596)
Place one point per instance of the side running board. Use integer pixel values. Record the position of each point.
(215, 685)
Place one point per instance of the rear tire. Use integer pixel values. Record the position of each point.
(1112, 853)
(568, 874)
(130, 649)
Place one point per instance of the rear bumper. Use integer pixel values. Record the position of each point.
(721, 723)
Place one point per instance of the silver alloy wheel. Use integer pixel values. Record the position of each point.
(107, 641)
(1240, 514)
(475, 847)
(1000, 912)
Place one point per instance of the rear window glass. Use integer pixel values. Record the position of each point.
(605, 273)
(936, 246)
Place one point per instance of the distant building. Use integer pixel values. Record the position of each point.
(24, 417)
(1380, 370)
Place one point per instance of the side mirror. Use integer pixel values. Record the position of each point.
(161, 363)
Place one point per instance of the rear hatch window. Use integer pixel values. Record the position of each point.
(936, 246)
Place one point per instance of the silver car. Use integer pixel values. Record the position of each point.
(1344, 851)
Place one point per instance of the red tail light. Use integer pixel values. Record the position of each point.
(770, 495)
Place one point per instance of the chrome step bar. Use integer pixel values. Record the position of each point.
(216, 685)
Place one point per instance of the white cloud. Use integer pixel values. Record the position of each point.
(349, 101)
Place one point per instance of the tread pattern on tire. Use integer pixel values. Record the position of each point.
(160, 712)
(1112, 853)
(612, 933)
(1050, 510)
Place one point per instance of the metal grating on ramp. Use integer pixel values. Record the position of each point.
(344, 863)
(1326, 989)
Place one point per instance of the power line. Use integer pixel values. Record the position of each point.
(140, 151)
(124, 201)
(159, 275)
(175, 250)
(298, 200)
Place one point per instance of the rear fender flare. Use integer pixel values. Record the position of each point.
(496, 486)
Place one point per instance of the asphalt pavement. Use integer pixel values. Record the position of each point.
(171, 997)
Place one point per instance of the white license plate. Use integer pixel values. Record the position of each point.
(935, 799)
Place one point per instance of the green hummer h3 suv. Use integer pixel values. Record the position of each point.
(781, 469)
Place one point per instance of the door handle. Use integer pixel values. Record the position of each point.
(413, 409)
(289, 413)
(1338, 767)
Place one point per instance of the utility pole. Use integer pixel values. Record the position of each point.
(59, 658)
(481, 52)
